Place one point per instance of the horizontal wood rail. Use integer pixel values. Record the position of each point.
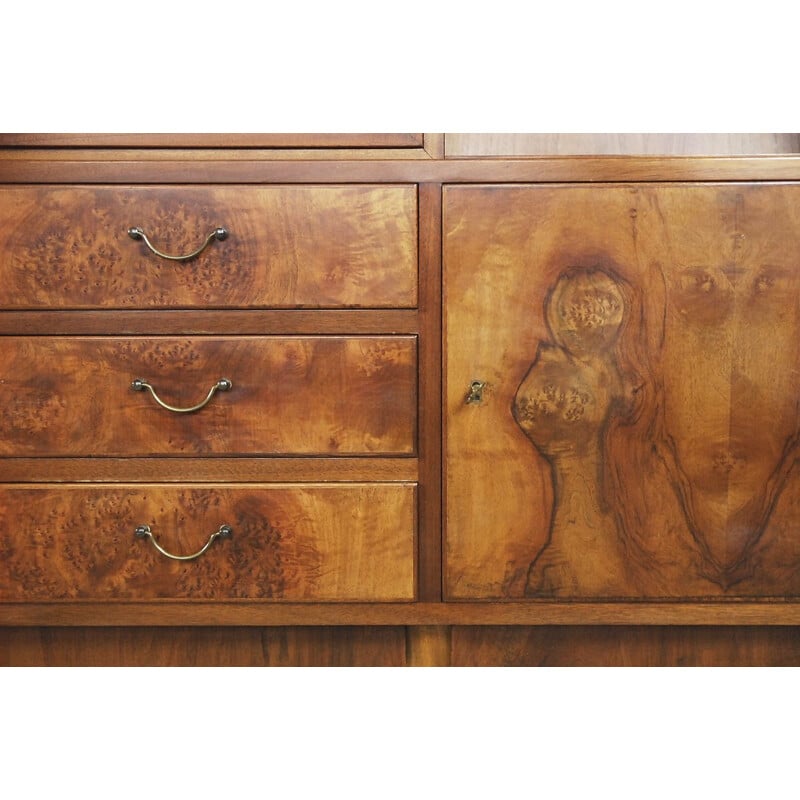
(15, 167)
(249, 613)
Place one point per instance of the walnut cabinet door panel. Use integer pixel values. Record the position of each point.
(622, 387)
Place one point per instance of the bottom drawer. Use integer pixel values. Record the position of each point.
(294, 542)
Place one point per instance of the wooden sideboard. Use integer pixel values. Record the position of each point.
(399, 399)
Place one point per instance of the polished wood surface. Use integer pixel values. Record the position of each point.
(210, 321)
(224, 469)
(250, 154)
(302, 246)
(437, 614)
(635, 646)
(428, 646)
(467, 145)
(223, 140)
(434, 144)
(395, 646)
(639, 425)
(61, 168)
(203, 647)
(346, 243)
(320, 395)
(430, 402)
(289, 542)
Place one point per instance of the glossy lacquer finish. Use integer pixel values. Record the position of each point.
(639, 422)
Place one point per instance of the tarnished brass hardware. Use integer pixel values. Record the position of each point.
(143, 531)
(220, 234)
(222, 385)
(475, 393)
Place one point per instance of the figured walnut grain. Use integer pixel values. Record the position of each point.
(639, 426)
(290, 542)
(290, 395)
(288, 247)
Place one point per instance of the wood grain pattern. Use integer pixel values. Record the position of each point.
(306, 246)
(304, 395)
(63, 169)
(387, 646)
(203, 647)
(287, 469)
(209, 321)
(523, 612)
(190, 155)
(635, 646)
(460, 145)
(561, 405)
(289, 542)
(434, 144)
(630, 375)
(428, 646)
(640, 421)
(430, 393)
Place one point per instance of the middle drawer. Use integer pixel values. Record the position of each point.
(292, 395)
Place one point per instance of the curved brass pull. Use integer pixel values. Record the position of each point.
(143, 531)
(220, 234)
(222, 385)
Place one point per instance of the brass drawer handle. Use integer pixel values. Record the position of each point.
(220, 234)
(222, 385)
(143, 531)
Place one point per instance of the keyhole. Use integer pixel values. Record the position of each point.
(475, 394)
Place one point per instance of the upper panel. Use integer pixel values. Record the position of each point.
(283, 247)
(470, 145)
(258, 140)
(633, 426)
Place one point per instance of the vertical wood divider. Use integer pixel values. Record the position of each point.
(429, 587)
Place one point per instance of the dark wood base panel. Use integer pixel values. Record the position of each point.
(637, 646)
(203, 647)
(396, 646)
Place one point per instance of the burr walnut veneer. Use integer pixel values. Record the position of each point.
(303, 399)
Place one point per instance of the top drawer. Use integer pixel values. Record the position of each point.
(287, 247)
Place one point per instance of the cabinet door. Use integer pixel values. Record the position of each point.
(622, 386)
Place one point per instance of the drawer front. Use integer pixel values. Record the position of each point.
(288, 542)
(329, 395)
(286, 247)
